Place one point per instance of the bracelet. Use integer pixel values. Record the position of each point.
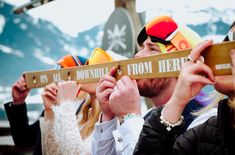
(128, 116)
(168, 124)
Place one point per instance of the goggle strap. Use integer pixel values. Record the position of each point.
(162, 47)
(77, 61)
(180, 42)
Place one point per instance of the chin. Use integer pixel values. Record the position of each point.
(146, 87)
(151, 87)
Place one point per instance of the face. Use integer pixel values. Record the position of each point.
(226, 84)
(149, 87)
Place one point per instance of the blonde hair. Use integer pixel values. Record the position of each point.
(88, 115)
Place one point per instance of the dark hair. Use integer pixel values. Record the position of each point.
(231, 26)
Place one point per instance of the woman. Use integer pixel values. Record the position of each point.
(215, 136)
(62, 131)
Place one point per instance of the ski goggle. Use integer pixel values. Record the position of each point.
(163, 30)
(230, 36)
(99, 56)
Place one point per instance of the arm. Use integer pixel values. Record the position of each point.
(126, 135)
(163, 126)
(154, 138)
(103, 142)
(62, 133)
(23, 134)
(128, 109)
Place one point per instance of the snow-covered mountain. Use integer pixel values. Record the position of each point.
(27, 44)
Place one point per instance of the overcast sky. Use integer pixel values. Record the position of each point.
(73, 16)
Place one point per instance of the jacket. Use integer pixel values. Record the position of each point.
(215, 136)
(23, 134)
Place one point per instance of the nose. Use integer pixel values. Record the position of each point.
(141, 53)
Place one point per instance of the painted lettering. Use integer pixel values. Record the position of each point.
(171, 65)
(91, 73)
(139, 68)
(56, 77)
(43, 79)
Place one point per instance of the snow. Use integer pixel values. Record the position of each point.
(2, 23)
(39, 54)
(23, 26)
(9, 50)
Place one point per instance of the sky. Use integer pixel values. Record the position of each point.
(73, 16)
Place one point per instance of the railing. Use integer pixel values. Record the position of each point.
(11, 149)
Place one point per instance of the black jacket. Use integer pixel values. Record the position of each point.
(215, 136)
(23, 134)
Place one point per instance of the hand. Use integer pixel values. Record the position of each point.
(192, 78)
(226, 84)
(19, 91)
(125, 98)
(49, 95)
(103, 91)
(67, 91)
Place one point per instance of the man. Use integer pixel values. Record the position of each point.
(121, 98)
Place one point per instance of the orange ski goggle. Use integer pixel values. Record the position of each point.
(163, 30)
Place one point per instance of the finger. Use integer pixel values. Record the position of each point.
(106, 84)
(109, 78)
(200, 79)
(126, 80)
(51, 88)
(196, 52)
(21, 86)
(113, 71)
(49, 95)
(106, 93)
(17, 86)
(201, 68)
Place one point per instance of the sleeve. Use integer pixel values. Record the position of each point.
(65, 135)
(103, 142)
(185, 143)
(23, 134)
(154, 138)
(126, 136)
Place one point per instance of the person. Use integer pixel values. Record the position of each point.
(62, 133)
(215, 136)
(114, 96)
(211, 108)
(26, 135)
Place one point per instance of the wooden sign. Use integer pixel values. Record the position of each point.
(166, 65)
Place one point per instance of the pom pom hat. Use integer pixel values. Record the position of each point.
(98, 56)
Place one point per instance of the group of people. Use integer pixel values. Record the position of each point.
(106, 117)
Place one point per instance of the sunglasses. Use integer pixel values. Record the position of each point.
(164, 30)
(230, 36)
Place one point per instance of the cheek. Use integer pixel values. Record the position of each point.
(224, 84)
